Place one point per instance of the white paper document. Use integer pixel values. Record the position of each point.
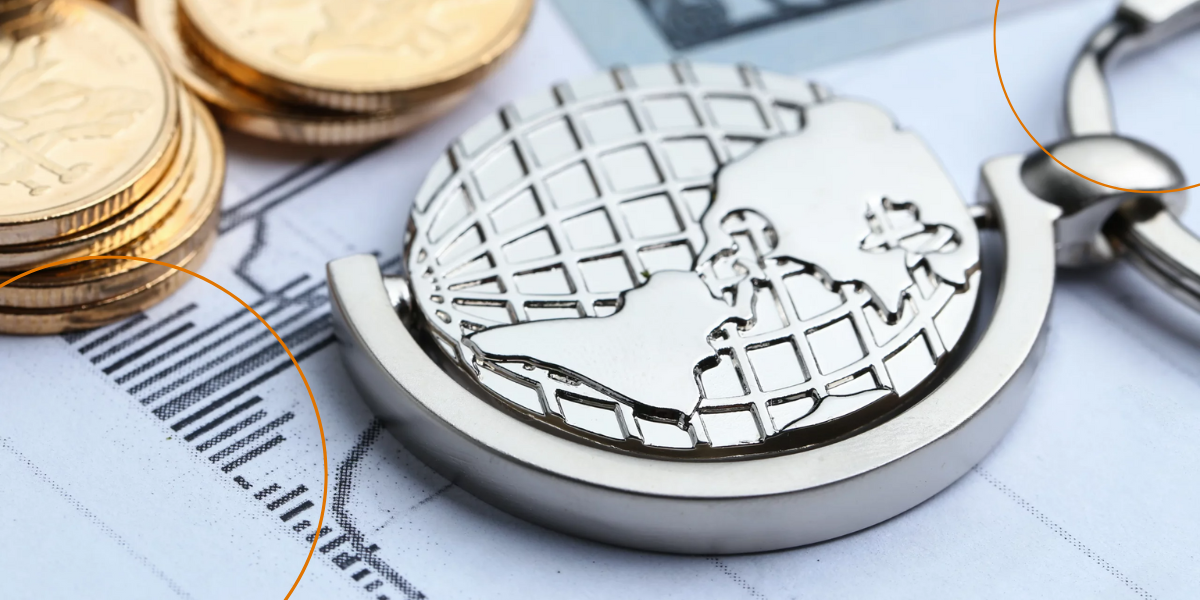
(780, 35)
(177, 455)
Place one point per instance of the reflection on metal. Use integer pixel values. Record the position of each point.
(507, 256)
(1159, 244)
(698, 309)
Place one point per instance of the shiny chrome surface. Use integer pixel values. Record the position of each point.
(1087, 206)
(1165, 251)
(801, 303)
(682, 461)
(1161, 245)
(703, 507)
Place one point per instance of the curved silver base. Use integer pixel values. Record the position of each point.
(721, 506)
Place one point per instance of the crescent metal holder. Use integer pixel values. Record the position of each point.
(705, 309)
(700, 309)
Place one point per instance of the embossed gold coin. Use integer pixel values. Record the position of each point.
(126, 226)
(15, 9)
(244, 110)
(88, 122)
(355, 55)
(98, 314)
(14, 14)
(7, 6)
(179, 239)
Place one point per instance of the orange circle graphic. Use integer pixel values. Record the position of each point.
(316, 411)
(996, 53)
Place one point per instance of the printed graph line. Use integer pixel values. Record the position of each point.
(231, 396)
(341, 539)
(72, 337)
(243, 368)
(257, 244)
(290, 187)
(116, 330)
(325, 530)
(434, 496)
(253, 454)
(188, 343)
(149, 353)
(287, 287)
(249, 439)
(231, 431)
(133, 339)
(345, 560)
(267, 491)
(248, 325)
(344, 483)
(259, 338)
(148, 348)
(217, 421)
(288, 497)
(276, 184)
(96, 521)
(737, 579)
(1061, 532)
(275, 195)
(289, 515)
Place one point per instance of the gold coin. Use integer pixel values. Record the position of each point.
(88, 119)
(189, 226)
(243, 110)
(127, 225)
(15, 9)
(33, 321)
(21, 18)
(11, 9)
(355, 55)
(9, 5)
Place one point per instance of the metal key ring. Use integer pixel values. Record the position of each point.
(1159, 244)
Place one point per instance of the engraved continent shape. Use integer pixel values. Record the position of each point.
(676, 306)
(848, 164)
(850, 197)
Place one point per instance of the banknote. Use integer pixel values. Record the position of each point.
(780, 35)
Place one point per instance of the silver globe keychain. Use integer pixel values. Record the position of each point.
(1158, 243)
(706, 309)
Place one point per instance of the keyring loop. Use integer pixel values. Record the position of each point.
(1159, 244)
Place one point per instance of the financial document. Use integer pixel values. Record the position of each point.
(779, 35)
(176, 454)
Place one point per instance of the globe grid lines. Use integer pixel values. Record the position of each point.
(819, 385)
(570, 110)
(608, 199)
(452, 293)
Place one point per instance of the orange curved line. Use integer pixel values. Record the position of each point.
(996, 53)
(316, 410)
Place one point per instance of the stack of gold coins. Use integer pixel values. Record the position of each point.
(19, 15)
(102, 152)
(332, 72)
